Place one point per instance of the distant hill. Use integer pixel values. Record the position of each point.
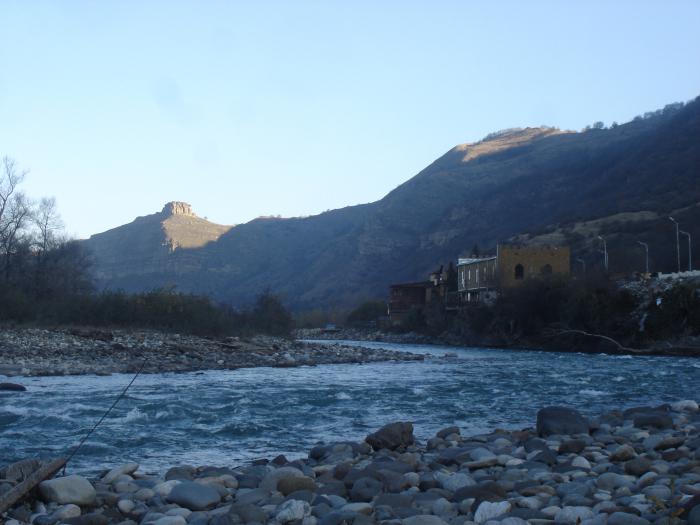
(528, 183)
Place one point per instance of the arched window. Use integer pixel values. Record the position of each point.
(519, 272)
(547, 269)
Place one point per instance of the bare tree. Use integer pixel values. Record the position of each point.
(48, 223)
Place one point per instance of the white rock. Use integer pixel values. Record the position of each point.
(66, 511)
(112, 475)
(488, 510)
(163, 489)
(411, 478)
(685, 405)
(180, 511)
(551, 511)
(441, 507)
(530, 502)
(70, 489)
(573, 515)
(455, 481)
(292, 510)
(125, 506)
(581, 462)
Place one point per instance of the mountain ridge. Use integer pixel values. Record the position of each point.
(507, 184)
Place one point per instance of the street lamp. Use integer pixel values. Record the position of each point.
(646, 249)
(678, 243)
(583, 264)
(605, 253)
(690, 259)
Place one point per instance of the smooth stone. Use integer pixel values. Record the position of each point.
(581, 462)
(392, 436)
(623, 453)
(125, 506)
(358, 508)
(271, 480)
(70, 489)
(66, 511)
(194, 496)
(488, 510)
(12, 387)
(170, 520)
(288, 485)
(624, 518)
(248, 513)
(455, 481)
(447, 432)
(423, 519)
(610, 480)
(126, 469)
(573, 515)
(557, 420)
(364, 489)
(637, 466)
(88, 519)
(163, 489)
(658, 491)
(292, 510)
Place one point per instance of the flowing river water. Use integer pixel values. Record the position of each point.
(225, 418)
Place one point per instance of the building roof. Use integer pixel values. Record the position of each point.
(473, 260)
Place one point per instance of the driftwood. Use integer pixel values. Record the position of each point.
(600, 336)
(19, 491)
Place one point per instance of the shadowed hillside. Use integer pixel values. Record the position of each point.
(520, 181)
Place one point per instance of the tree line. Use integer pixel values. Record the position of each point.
(45, 279)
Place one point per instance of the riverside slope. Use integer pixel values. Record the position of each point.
(632, 467)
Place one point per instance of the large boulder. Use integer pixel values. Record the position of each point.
(12, 387)
(194, 496)
(561, 421)
(70, 489)
(392, 436)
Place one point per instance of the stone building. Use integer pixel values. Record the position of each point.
(407, 297)
(480, 278)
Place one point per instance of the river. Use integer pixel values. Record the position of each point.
(227, 417)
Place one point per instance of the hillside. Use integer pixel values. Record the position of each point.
(535, 181)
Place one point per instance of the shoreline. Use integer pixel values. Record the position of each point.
(542, 345)
(69, 351)
(631, 467)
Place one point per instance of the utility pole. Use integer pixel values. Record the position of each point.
(605, 253)
(690, 257)
(646, 249)
(583, 264)
(678, 243)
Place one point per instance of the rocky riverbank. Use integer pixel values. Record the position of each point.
(683, 346)
(631, 467)
(34, 352)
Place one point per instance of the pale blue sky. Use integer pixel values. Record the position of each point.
(255, 108)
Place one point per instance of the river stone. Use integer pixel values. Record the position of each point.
(623, 453)
(112, 475)
(694, 516)
(271, 480)
(423, 519)
(624, 518)
(88, 519)
(392, 436)
(489, 510)
(194, 496)
(455, 481)
(364, 489)
(637, 466)
(248, 513)
(170, 520)
(70, 489)
(610, 480)
(66, 511)
(288, 485)
(573, 515)
(12, 387)
(659, 420)
(581, 462)
(447, 432)
(163, 489)
(555, 420)
(687, 405)
(292, 510)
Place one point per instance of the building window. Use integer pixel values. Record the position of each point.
(547, 269)
(519, 272)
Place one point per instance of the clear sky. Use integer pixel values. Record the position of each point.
(264, 108)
